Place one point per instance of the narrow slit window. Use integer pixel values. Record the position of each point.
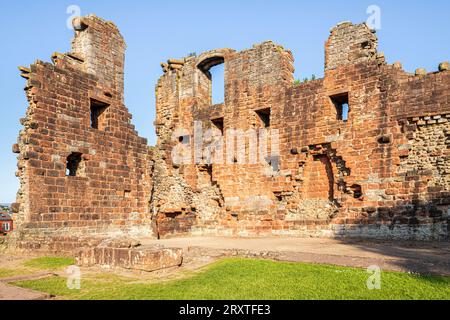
(218, 123)
(264, 117)
(98, 114)
(342, 106)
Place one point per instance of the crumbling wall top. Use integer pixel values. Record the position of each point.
(350, 44)
(102, 47)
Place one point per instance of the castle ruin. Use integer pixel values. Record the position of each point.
(363, 152)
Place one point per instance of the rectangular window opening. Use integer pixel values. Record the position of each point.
(341, 104)
(218, 84)
(218, 123)
(75, 166)
(264, 117)
(98, 114)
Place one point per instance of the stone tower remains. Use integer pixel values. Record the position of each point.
(363, 152)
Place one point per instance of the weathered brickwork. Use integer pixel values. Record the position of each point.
(380, 171)
(83, 168)
(376, 174)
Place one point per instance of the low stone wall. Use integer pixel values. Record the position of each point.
(143, 259)
(106, 251)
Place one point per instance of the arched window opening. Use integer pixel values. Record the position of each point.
(218, 84)
(214, 69)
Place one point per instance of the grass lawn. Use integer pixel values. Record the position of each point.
(7, 273)
(49, 263)
(35, 265)
(255, 279)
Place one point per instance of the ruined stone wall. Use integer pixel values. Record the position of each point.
(255, 78)
(82, 166)
(381, 172)
(277, 158)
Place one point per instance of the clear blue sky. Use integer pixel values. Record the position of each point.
(413, 32)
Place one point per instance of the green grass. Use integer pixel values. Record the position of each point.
(33, 266)
(49, 263)
(256, 279)
(7, 273)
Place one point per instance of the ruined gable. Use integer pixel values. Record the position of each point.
(82, 166)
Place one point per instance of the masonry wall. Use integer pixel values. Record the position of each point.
(109, 188)
(381, 173)
(297, 167)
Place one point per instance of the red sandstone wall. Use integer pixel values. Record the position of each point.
(111, 190)
(359, 177)
(382, 173)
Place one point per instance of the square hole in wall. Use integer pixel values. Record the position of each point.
(274, 162)
(342, 106)
(264, 117)
(98, 114)
(218, 123)
(75, 165)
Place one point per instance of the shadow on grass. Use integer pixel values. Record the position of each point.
(424, 258)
